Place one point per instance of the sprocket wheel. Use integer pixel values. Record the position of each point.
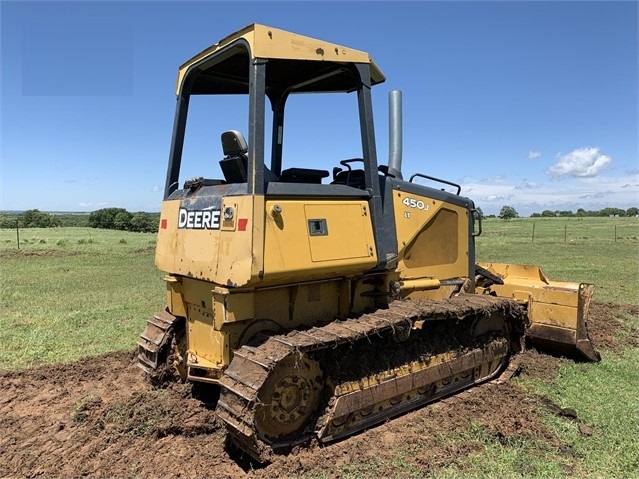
(172, 358)
(177, 354)
(288, 398)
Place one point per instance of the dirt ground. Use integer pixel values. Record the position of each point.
(97, 417)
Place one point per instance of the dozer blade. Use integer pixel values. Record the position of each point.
(557, 310)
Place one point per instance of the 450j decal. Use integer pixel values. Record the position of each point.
(415, 203)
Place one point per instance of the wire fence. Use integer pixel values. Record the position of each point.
(571, 232)
(566, 231)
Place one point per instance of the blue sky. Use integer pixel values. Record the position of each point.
(527, 104)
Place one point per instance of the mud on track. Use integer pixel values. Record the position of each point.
(98, 417)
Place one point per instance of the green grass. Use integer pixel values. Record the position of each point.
(80, 292)
(606, 396)
(515, 458)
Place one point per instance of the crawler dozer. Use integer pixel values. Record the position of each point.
(321, 302)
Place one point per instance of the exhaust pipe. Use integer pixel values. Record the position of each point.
(395, 134)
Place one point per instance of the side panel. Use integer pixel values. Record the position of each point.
(208, 238)
(307, 240)
(432, 237)
(166, 250)
(235, 258)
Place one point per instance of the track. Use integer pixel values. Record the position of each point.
(331, 381)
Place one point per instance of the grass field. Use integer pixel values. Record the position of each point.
(72, 292)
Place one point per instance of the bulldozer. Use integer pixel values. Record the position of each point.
(322, 302)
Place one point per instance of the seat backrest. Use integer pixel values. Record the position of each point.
(233, 143)
(354, 178)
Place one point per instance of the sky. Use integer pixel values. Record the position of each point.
(527, 104)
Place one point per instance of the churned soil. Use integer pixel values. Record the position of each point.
(98, 417)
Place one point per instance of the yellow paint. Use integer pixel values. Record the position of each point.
(174, 297)
(553, 306)
(432, 239)
(293, 254)
(223, 256)
(268, 42)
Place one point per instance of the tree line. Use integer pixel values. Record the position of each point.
(630, 212)
(508, 212)
(106, 218)
(121, 219)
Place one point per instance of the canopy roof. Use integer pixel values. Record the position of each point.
(295, 63)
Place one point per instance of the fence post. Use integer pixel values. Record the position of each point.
(533, 234)
(18, 232)
(565, 232)
(615, 233)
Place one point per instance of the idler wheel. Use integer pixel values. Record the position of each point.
(288, 398)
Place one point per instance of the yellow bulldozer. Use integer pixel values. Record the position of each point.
(321, 302)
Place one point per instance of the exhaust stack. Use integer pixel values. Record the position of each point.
(395, 134)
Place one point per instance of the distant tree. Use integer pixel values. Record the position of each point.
(582, 212)
(74, 219)
(508, 212)
(144, 222)
(565, 213)
(612, 212)
(548, 214)
(37, 219)
(8, 220)
(632, 211)
(122, 220)
(104, 218)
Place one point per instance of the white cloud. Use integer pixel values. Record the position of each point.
(155, 189)
(582, 163)
(527, 185)
(596, 195)
(494, 198)
(534, 154)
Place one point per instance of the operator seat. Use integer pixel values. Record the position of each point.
(235, 163)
